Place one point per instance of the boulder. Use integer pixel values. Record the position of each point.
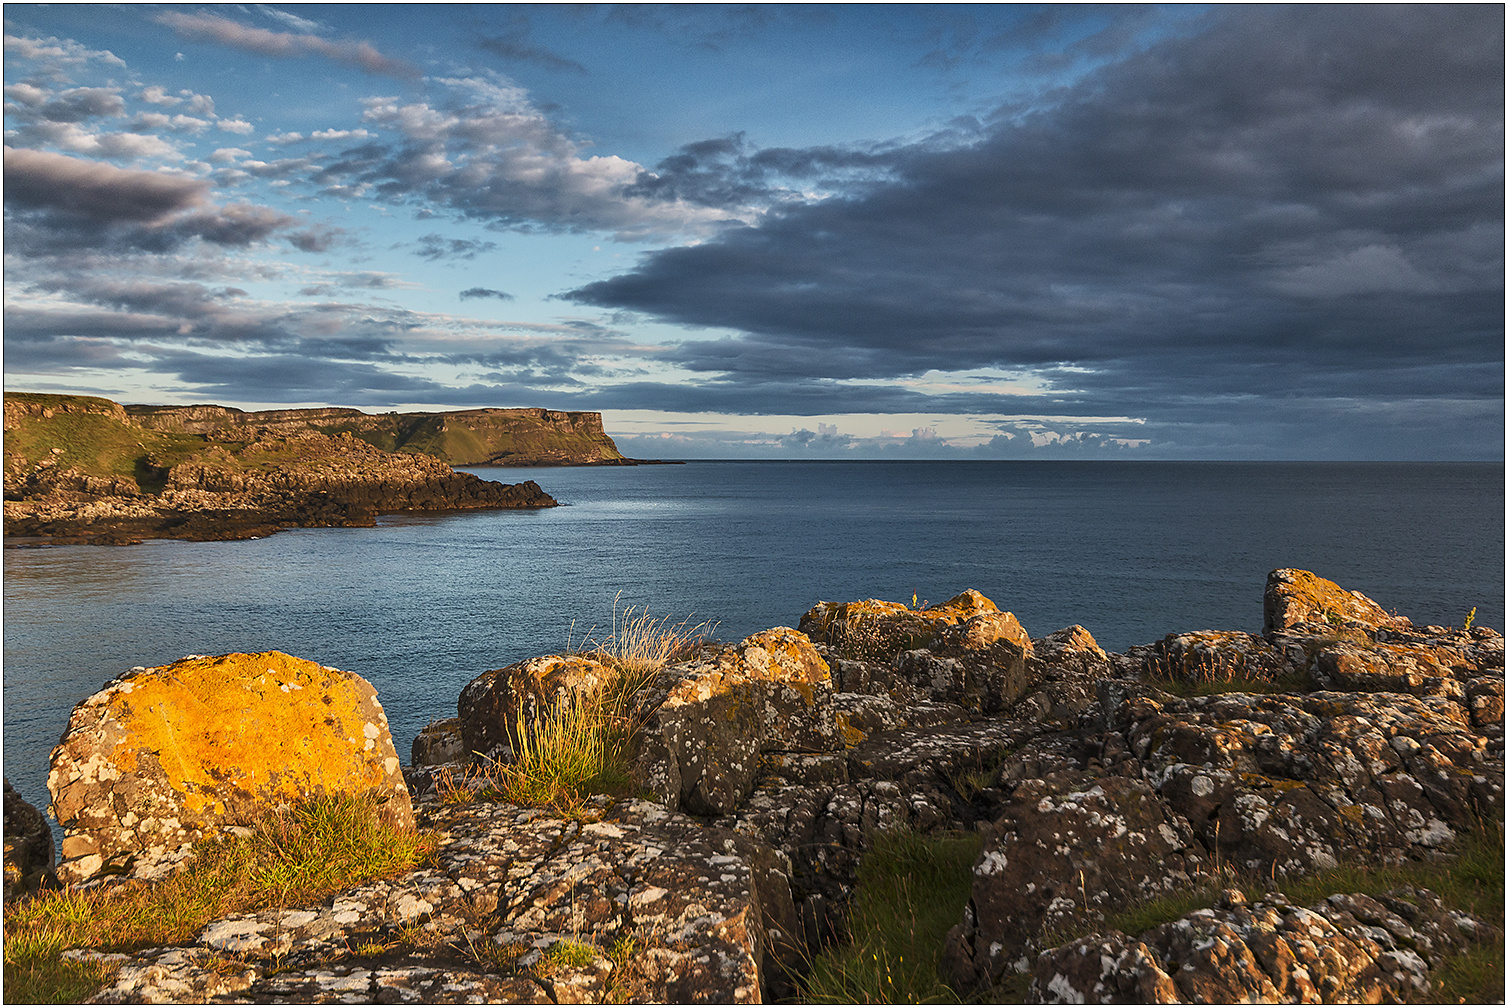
(1347, 949)
(438, 743)
(703, 724)
(495, 705)
(1068, 849)
(1295, 597)
(874, 630)
(29, 856)
(1295, 782)
(164, 756)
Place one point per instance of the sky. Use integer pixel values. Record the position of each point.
(777, 231)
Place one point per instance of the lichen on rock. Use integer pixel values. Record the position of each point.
(162, 757)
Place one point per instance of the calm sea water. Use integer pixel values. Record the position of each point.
(422, 604)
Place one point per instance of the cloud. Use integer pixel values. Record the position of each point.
(479, 148)
(1286, 204)
(60, 203)
(485, 292)
(213, 28)
(513, 45)
(55, 56)
(435, 247)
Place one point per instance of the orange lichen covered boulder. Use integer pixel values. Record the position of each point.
(1295, 597)
(163, 757)
(874, 629)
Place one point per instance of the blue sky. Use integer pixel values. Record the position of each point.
(984, 231)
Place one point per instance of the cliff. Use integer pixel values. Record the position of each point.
(83, 469)
(476, 437)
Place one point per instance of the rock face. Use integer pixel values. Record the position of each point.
(1296, 597)
(1095, 782)
(476, 437)
(704, 724)
(165, 756)
(1350, 949)
(666, 910)
(29, 857)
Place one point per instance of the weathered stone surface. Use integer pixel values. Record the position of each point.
(494, 705)
(1297, 782)
(705, 723)
(1296, 597)
(1063, 672)
(1347, 949)
(438, 742)
(29, 856)
(874, 630)
(706, 913)
(1067, 850)
(979, 662)
(164, 756)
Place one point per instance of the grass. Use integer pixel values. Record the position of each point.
(911, 889)
(297, 856)
(1220, 674)
(582, 745)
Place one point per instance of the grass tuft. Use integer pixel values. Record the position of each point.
(581, 746)
(298, 855)
(911, 889)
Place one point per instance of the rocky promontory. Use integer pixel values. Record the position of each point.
(84, 470)
(1223, 763)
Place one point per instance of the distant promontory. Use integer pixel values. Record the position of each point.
(82, 469)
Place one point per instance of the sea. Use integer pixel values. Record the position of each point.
(423, 603)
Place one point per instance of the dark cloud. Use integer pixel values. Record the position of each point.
(1291, 202)
(485, 292)
(56, 204)
(435, 247)
(514, 45)
(95, 190)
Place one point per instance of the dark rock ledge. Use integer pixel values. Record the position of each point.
(772, 763)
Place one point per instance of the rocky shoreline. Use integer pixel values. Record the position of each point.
(67, 457)
(764, 770)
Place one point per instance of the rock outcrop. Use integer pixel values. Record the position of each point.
(1350, 949)
(1098, 782)
(188, 488)
(163, 757)
(29, 856)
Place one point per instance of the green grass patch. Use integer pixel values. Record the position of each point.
(583, 745)
(911, 889)
(97, 444)
(293, 857)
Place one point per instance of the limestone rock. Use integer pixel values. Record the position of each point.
(706, 913)
(492, 706)
(164, 756)
(704, 723)
(1298, 597)
(437, 743)
(874, 630)
(1348, 949)
(29, 857)
(1297, 782)
(1067, 850)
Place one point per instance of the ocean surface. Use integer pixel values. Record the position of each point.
(421, 604)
